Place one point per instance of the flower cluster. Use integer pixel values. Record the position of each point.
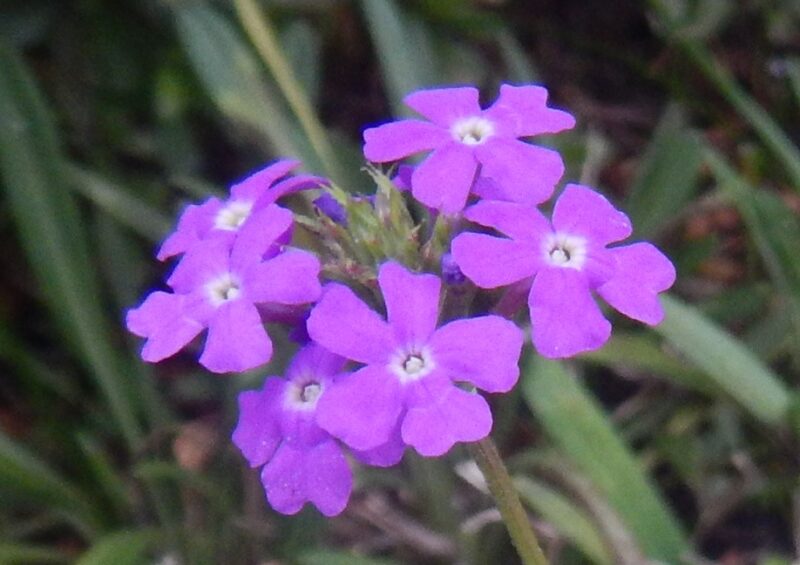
(395, 344)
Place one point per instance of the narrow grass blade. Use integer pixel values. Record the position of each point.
(568, 519)
(733, 367)
(404, 48)
(51, 231)
(231, 75)
(667, 175)
(25, 478)
(577, 425)
(132, 547)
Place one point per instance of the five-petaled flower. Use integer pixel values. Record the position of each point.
(474, 149)
(568, 261)
(408, 391)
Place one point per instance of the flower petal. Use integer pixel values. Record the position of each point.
(328, 478)
(523, 172)
(195, 222)
(443, 180)
(565, 318)
(491, 262)
(445, 105)
(258, 433)
(257, 183)
(258, 233)
(412, 302)
(514, 220)
(289, 278)
(237, 340)
(582, 211)
(284, 479)
(395, 140)
(361, 409)
(200, 265)
(315, 360)
(161, 319)
(482, 351)
(642, 272)
(442, 415)
(288, 186)
(385, 455)
(341, 322)
(523, 109)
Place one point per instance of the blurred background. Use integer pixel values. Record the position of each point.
(676, 444)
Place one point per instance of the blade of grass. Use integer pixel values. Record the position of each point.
(733, 367)
(578, 426)
(52, 234)
(122, 548)
(404, 49)
(667, 175)
(567, 519)
(263, 36)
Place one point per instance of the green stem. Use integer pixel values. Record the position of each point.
(502, 488)
(263, 36)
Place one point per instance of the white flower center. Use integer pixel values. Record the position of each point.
(411, 364)
(472, 130)
(563, 250)
(231, 216)
(304, 394)
(223, 288)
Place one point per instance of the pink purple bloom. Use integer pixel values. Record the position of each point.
(568, 260)
(407, 391)
(221, 285)
(473, 149)
(223, 219)
(277, 429)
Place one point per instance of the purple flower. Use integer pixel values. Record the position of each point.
(407, 391)
(223, 219)
(220, 285)
(568, 260)
(277, 429)
(472, 145)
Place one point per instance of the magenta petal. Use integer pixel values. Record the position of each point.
(361, 409)
(257, 183)
(445, 105)
(343, 324)
(396, 140)
(412, 302)
(565, 318)
(328, 478)
(162, 320)
(582, 211)
(258, 433)
(237, 340)
(385, 455)
(315, 360)
(482, 351)
(286, 187)
(443, 416)
(200, 265)
(515, 220)
(491, 262)
(284, 479)
(258, 233)
(289, 278)
(642, 272)
(194, 223)
(525, 173)
(525, 109)
(443, 180)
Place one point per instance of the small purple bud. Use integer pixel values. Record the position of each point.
(451, 274)
(329, 206)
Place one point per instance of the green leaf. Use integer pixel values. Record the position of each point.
(577, 425)
(404, 48)
(51, 231)
(130, 547)
(667, 175)
(233, 79)
(12, 553)
(733, 367)
(569, 520)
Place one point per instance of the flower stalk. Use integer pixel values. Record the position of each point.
(485, 454)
